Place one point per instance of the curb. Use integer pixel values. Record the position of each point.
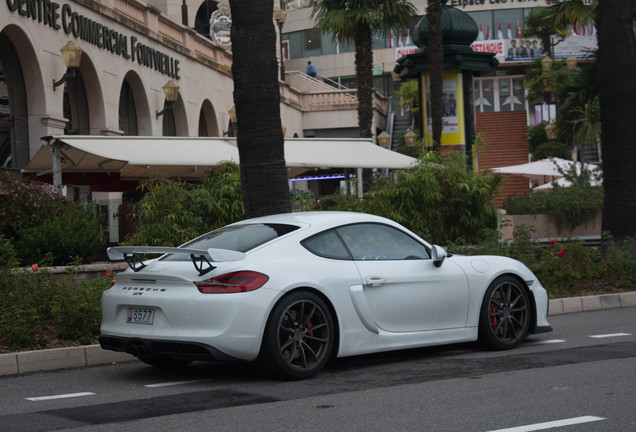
(91, 355)
(590, 303)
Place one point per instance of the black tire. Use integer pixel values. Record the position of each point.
(299, 337)
(505, 314)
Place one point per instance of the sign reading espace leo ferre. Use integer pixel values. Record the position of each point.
(62, 17)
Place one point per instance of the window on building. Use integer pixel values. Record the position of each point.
(127, 110)
(14, 127)
(76, 106)
(202, 18)
(312, 43)
(502, 93)
(203, 127)
(169, 126)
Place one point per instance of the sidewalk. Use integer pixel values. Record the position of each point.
(91, 355)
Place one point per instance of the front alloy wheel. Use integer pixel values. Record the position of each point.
(299, 336)
(505, 314)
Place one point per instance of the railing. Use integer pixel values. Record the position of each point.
(132, 9)
(339, 99)
(160, 27)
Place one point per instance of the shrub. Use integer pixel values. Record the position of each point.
(567, 206)
(441, 200)
(71, 235)
(536, 136)
(36, 307)
(25, 205)
(7, 254)
(550, 149)
(173, 212)
(565, 268)
(42, 224)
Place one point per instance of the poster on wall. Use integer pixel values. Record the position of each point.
(453, 108)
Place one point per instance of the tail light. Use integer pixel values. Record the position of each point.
(237, 282)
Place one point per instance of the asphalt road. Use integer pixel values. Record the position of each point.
(581, 377)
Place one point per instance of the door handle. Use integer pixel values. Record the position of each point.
(374, 281)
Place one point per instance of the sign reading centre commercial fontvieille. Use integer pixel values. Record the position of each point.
(62, 17)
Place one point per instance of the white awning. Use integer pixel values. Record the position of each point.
(143, 157)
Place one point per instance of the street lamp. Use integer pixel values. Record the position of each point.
(171, 92)
(280, 16)
(72, 55)
(550, 131)
(546, 65)
(410, 137)
(571, 62)
(384, 139)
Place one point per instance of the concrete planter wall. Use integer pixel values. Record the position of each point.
(546, 228)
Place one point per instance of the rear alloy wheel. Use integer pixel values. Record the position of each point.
(299, 337)
(505, 314)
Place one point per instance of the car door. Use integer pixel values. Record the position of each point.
(403, 289)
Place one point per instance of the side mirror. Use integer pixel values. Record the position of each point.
(438, 254)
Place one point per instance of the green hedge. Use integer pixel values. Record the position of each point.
(38, 307)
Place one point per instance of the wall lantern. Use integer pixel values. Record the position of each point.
(546, 63)
(72, 55)
(411, 138)
(384, 139)
(171, 91)
(232, 114)
(550, 131)
(571, 62)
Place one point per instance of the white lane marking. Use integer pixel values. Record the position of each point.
(552, 424)
(61, 396)
(549, 341)
(610, 335)
(172, 383)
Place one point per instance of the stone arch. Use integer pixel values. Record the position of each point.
(25, 85)
(202, 17)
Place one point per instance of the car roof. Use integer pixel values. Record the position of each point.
(319, 219)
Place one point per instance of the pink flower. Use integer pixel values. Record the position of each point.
(554, 241)
(561, 253)
(34, 268)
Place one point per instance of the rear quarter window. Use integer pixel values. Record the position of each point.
(328, 245)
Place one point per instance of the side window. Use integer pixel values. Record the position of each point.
(380, 242)
(328, 245)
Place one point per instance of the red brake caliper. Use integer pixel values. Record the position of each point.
(309, 325)
(493, 319)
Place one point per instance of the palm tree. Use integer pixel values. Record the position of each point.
(354, 21)
(260, 139)
(586, 130)
(436, 60)
(617, 97)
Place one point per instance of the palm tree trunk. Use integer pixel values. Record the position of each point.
(364, 81)
(364, 78)
(257, 100)
(617, 97)
(436, 60)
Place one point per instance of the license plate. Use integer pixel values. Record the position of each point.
(140, 316)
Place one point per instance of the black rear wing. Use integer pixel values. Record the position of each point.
(202, 259)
